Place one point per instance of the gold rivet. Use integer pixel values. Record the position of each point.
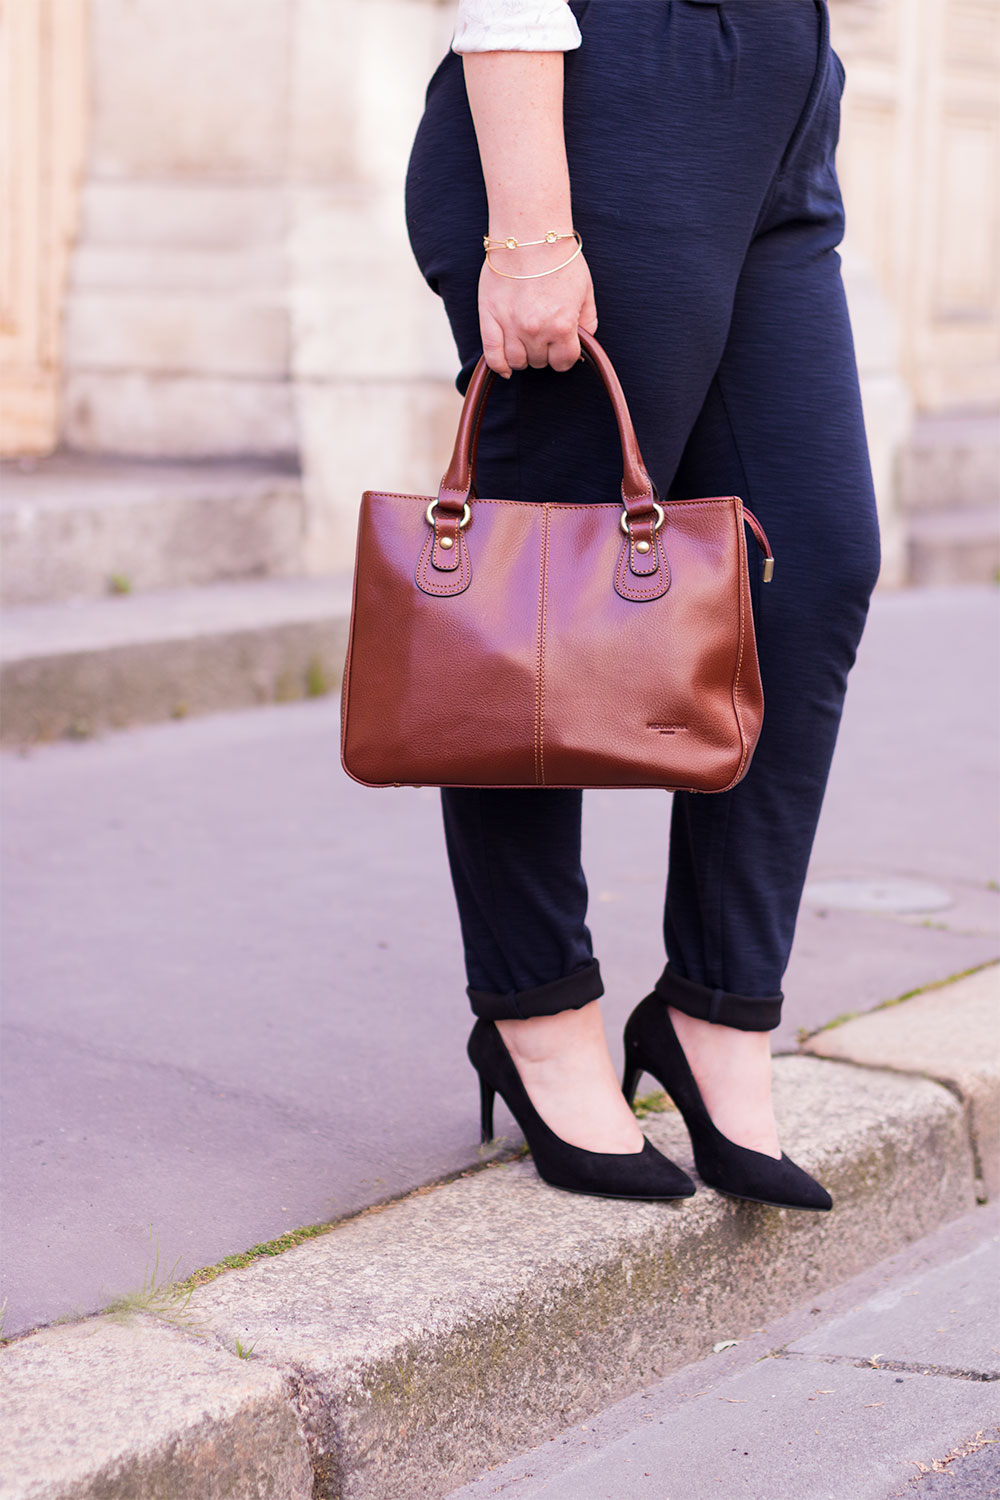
(642, 546)
(447, 541)
(511, 243)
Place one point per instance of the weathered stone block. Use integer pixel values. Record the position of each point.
(359, 73)
(182, 416)
(360, 309)
(91, 664)
(177, 333)
(182, 215)
(105, 1411)
(393, 435)
(77, 526)
(190, 89)
(951, 1034)
(237, 271)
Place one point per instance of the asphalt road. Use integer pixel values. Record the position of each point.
(233, 996)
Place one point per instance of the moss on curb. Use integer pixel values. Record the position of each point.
(305, 1232)
(922, 989)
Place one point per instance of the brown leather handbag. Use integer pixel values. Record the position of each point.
(501, 643)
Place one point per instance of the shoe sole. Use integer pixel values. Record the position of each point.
(806, 1208)
(621, 1197)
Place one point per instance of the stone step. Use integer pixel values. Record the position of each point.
(88, 665)
(76, 526)
(951, 462)
(957, 545)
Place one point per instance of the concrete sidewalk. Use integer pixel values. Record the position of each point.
(404, 1352)
(233, 998)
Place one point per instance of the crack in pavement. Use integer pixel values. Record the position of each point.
(894, 1366)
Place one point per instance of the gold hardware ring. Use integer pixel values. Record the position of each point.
(466, 515)
(658, 510)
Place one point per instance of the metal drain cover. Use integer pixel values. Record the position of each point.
(869, 893)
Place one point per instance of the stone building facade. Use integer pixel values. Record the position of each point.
(205, 255)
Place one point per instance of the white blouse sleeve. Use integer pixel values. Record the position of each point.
(515, 26)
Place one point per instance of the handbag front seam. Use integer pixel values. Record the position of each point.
(545, 621)
(540, 652)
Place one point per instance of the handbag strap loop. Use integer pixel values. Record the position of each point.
(639, 496)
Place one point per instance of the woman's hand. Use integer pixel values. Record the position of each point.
(535, 322)
(516, 100)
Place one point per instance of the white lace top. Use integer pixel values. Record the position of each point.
(515, 26)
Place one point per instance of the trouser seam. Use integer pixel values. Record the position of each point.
(719, 946)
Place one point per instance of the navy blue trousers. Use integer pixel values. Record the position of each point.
(701, 141)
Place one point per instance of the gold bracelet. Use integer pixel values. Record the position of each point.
(510, 243)
(534, 275)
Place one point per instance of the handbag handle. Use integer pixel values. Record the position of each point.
(639, 496)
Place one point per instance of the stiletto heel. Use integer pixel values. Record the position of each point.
(645, 1174)
(633, 1072)
(487, 1093)
(653, 1046)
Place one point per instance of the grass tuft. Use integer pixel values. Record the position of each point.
(162, 1297)
(317, 682)
(278, 1246)
(655, 1103)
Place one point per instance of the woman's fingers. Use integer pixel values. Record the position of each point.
(588, 312)
(527, 324)
(503, 349)
(493, 341)
(564, 350)
(531, 334)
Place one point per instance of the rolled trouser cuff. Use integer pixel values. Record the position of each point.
(571, 992)
(744, 1012)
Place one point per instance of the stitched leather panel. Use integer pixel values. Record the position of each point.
(654, 582)
(447, 548)
(642, 558)
(434, 580)
(471, 701)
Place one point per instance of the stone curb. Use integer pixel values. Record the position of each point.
(144, 1412)
(412, 1347)
(950, 1034)
(95, 664)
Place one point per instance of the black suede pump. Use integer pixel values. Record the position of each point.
(653, 1046)
(645, 1174)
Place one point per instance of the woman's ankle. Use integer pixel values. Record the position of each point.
(732, 1069)
(565, 1066)
(537, 1039)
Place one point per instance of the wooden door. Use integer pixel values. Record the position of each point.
(43, 67)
